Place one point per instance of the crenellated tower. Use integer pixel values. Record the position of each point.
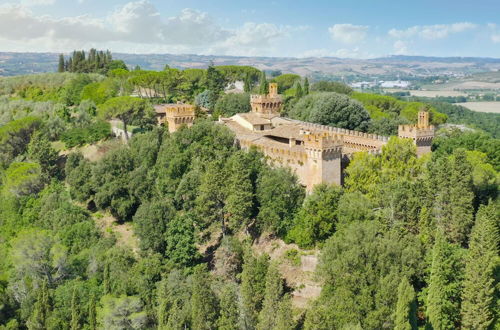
(175, 115)
(422, 133)
(269, 104)
(324, 155)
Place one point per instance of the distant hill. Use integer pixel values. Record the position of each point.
(404, 67)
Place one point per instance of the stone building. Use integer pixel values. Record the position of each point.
(316, 153)
(422, 133)
(175, 115)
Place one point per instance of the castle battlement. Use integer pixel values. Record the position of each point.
(175, 114)
(422, 133)
(268, 104)
(322, 141)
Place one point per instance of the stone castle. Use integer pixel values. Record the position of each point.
(316, 153)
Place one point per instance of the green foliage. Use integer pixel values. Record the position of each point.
(279, 195)
(234, 73)
(100, 92)
(21, 179)
(206, 99)
(92, 133)
(446, 143)
(316, 220)
(489, 122)
(286, 81)
(127, 109)
(480, 287)
(15, 137)
(180, 241)
(151, 223)
(406, 307)
(331, 109)
(204, 303)
(331, 86)
(229, 312)
(355, 253)
(272, 296)
(380, 106)
(231, 104)
(72, 92)
(252, 288)
(263, 84)
(41, 151)
(453, 196)
(94, 61)
(443, 296)
(124, 312)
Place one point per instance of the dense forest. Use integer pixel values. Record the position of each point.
(187, 231)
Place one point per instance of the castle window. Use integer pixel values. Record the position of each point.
(261, 127)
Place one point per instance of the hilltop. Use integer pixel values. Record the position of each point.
(330, 67)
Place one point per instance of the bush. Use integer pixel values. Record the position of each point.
(79, 136)
(231, 104)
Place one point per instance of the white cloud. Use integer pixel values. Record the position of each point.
(38, 2)
(136, 26)
(438, 31)
(348, 33)
(400, 48)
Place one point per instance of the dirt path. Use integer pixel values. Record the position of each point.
(124, 232)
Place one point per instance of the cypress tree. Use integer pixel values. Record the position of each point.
(284, 316)
(239, 200)
(92, 314)
(462, 197)
(105, 282)
(478, 297)
(443, 297)
(229, 311)
(60, 67)
(74, 312)
(298, 90)
(247, 87)
(203, 301)
(452, 180)
(263, 84)
(272, 299)
(252, 288)
(406, 307)
(41, 309)
(306, 86)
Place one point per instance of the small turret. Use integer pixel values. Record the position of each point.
(422, 133)
(267, 105)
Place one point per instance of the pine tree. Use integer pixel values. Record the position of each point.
(41, 309)
(263, 84)
(306, 86)
(92, 314)
(74, 312)
(229, 311)
(443, 297)
(252, 288)
(60, 67)
(478, 296)
(272, 299)
(203, 301)
(406, 307)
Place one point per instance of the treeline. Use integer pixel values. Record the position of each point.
(93, 62)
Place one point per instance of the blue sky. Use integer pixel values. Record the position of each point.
(298, 28)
